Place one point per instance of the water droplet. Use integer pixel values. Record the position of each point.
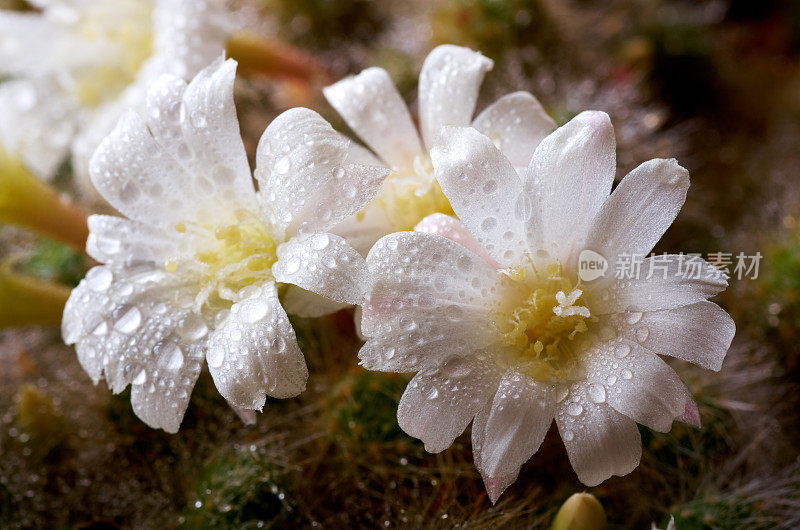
(597, 393)
(611, 379)
(568, 436)
(282, 165)
(141, 378)
(490, 186)
(574, 409)
(632, 317)
(627, 374)
(489, 224)
(169, 355)
(622, 350)
(389, 353)
(464, 263)
(193, 328)
(453, 313)
(129, 321)
(253, 310)
(434, 393)
(215, 355)
(642, 334)
(222, 174)
(292, 265)
(561, 393)
(320, 241)
(99, 279)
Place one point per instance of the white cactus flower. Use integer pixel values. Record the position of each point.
(500, 329)
(448, 90)
(75, 66)
(196, 269)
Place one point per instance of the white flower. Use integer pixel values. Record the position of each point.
(195, 271)
(499, 327)
(448, 90)
(77, 65)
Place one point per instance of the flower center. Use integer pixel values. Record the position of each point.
(542, 320)
(224, 259)
(123, 40)
(409, 195)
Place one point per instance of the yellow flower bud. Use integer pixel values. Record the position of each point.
(582, 511)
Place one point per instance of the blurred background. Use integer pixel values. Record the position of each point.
(715, 84)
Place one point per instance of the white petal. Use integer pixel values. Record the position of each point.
(27, 42)
(119, 240)
(517, 123)
(482, 187)
(449, 82)
(138, 178)
(372, 107)
(569, 179)
(211, 130)
(438, 404)
(600, 441)
(189, 34)
(640, 210)
(299, 302)
(700, 333)
(495, 485)
(305, 184)
(127, 328)
(669, 286)
(452, 228)
(427, 301)
(254, 353)
(364, 228)
(38, 124)
(520, 415)
(636, 383)
(324, 264)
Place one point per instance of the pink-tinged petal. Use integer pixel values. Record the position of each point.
(452, 228)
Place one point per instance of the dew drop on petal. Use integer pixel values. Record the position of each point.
(569, 435)
(215, 355)
(561, 393)
(611, 379)
(632, 317)
(627, 374)
(99, 279)
(574, 409)
(642, 334)
(320, 241)
(622, 350)
(597, 393)
(253, 310)
(434, 393)
(141, 378)
(129, 320)
(292, 265)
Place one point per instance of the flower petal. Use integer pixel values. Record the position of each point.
(520, 415)
(517, 123)
(254, 353)
(449, 82)
(600, 441)
(569, 179)
(324, 264)
(640, 210)
(38, 123)
(374, 109)
(438, 404)
(127, 327)
(480, 184)
(636, 383)
(119, 240)
(305, 184)
(495, 485)
(700, 333)
(452, 228)
(670, 285)
(427, 301)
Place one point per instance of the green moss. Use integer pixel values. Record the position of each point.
(720, 511)
(365, 407)
(55, 262)
(238, 490)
